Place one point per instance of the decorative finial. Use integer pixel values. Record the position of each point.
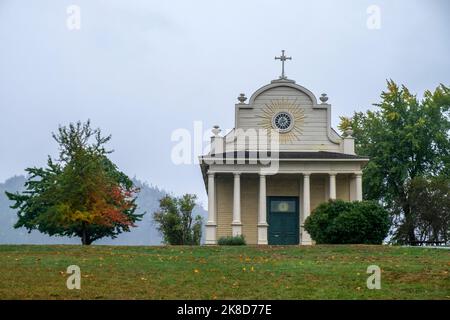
(324, 98)
(283, 58)
(242, 98)
(348, 132)
(216, 130)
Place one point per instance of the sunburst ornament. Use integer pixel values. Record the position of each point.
(285, 116)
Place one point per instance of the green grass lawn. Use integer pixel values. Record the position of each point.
(316, 272)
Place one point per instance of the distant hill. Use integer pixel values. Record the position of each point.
(144, 234)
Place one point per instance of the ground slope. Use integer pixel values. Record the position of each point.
(326, 272)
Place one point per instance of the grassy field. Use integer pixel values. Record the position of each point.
(317, 272)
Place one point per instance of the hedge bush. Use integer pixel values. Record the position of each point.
(232, 241)
(342, 222)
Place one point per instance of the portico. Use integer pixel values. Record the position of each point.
(241, 206)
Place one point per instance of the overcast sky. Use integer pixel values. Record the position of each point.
(142, 69)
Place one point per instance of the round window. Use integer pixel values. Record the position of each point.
(282, 121)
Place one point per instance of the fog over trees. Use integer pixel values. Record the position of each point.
(144, 234)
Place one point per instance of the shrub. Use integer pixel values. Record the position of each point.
(232, 241)
(340, 222)
(176, 222)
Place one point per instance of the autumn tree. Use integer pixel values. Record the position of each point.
(79, 194)
(406, 138)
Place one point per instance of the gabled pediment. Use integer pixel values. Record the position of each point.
(292, 110)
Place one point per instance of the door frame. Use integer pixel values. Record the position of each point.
(297, 212)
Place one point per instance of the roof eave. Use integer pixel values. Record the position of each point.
(292, 159)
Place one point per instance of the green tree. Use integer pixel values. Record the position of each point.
(82, 193)
(429, 200)
(175, 220)
(405, 138)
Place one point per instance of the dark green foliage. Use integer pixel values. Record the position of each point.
(175, 220)
(342, 222)
(319, 223)
(429, 200)
(405, 138)
(232, 241)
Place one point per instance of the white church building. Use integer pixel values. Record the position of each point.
(281, 160)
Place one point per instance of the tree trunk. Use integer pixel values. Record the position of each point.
(85, 239)
(410, 225)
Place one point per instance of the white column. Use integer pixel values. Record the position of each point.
(210, 237)
(236, 224)
(300, 206)
(358, 177)
(333, 186)
(352, 186)
(262, 214)
(306, 238)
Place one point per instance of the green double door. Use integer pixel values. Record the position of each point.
(283, 219)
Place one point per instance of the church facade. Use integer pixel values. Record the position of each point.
(281, 160)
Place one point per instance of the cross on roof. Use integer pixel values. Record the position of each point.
(283, 58)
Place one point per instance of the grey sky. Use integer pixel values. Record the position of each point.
(141, 69)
